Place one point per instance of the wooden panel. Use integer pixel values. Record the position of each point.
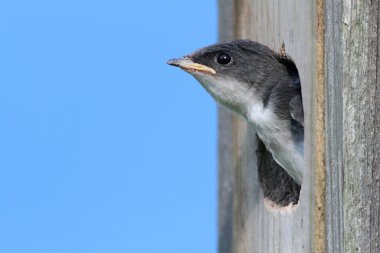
(247, 225)
(226, 150)
(347, 204)
(334, 127)
(353, 136)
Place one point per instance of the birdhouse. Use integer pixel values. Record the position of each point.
(336, 208)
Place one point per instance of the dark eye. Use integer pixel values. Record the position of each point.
(223, 58)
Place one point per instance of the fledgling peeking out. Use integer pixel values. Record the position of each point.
(260, 85)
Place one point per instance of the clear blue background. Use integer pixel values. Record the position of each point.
(104, 147)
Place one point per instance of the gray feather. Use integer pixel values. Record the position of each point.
(296, 109)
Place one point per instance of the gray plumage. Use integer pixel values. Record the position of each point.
(260, 85)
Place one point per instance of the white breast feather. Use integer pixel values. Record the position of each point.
(275, 134)
(272, 132)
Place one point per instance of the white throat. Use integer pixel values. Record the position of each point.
(228, 92)
(275, 133)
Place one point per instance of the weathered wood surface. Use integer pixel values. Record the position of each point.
(335, 43)
(353, 126)
(245, 224)
(227, 159)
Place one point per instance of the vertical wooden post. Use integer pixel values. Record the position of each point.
(227, 144)
(335, 45)
(353, 125)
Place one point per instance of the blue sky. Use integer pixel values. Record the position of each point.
(104, 147)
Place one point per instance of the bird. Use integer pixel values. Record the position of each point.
(260, 85)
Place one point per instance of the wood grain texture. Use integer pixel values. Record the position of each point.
(335, 44)
(226, 146)
(361, 137)
(254, 228)
(334, 127)
(353, 161)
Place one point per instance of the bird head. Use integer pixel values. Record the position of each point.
(235, 73)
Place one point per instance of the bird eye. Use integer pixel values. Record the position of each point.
(223, 58)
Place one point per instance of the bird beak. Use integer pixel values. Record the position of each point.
(188, 65)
